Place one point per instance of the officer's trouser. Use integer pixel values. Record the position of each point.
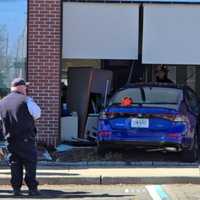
(20, 160)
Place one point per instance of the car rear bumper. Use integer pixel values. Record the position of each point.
(132, 144)
(184, 144)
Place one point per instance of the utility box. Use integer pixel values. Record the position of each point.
(69, 128)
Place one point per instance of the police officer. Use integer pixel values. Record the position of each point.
(162, 75)
(18, 113)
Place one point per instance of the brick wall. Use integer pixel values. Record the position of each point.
(44, 39)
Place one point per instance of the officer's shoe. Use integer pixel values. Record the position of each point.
(17, 192)
(34, 192)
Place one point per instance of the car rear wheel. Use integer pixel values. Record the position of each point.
(191, 155)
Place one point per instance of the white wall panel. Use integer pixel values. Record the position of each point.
(100, 31)
(171, 34)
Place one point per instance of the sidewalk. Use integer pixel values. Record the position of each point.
(112, 173)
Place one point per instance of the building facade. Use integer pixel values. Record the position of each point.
(45, 51)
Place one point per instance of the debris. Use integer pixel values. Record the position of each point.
(47, 155)
(63, 147)
(43, 154)
(1, 154)
(82, 142)
(3, 150)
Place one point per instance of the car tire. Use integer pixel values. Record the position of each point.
(191, 155)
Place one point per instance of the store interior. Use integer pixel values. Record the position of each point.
(87, 85)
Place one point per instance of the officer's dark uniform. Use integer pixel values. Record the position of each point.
(20, 130)
(164, 80)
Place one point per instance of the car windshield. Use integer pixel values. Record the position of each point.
(149, 95)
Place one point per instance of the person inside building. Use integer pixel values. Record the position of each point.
(18, 113)
(162, 75)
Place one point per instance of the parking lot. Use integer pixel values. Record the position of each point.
(114, 192)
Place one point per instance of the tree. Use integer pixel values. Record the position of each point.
(3, 59)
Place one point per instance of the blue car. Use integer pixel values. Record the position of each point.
(163, 116)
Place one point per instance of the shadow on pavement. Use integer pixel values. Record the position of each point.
(51, 194)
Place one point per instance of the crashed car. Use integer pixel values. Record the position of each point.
(153, 116)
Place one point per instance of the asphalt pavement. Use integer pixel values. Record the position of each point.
(111, 192)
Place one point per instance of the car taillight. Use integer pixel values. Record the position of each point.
(102, 115)
(176, 118)
(106, 115)
(173, 135)
(167, 117)
(104, 133)
(181, 118)
(110, 115)
(170, 117)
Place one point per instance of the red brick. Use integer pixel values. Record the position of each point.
(44, 39)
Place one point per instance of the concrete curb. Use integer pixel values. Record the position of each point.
(69, 180)
(117, 164)
(119, 180)
(112, 180)
(4, 181)
(111, 164)
(60, 181)
(150, 180)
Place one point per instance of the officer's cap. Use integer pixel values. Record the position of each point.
(164, 68)
(18, 81)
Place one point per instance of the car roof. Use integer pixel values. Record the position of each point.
(154, 84)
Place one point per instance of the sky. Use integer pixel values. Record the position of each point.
(13, 14)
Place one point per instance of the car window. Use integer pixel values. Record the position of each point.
(163, 95)
(133, 93)
(153, 95)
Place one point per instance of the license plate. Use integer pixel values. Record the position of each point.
(139, 123)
